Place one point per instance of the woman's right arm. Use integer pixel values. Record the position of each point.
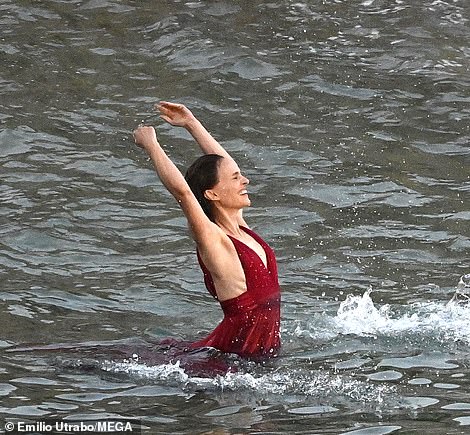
(179, 115)
(202, 229)
(215, 247)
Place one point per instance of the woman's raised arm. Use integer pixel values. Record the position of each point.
(202, 229)
(179, 115)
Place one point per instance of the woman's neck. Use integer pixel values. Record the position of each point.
(229, 223)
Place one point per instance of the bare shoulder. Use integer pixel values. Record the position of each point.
(210, 239)
(217, 251)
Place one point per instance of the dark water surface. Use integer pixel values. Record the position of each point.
(351, 119)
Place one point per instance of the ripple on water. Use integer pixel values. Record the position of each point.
(388, 375)
(434, 360)
(6, 389)
(420, 402)
(34, 381)
(454, 148)
(388, 193)
(420, 381)
(463, 421)
(457, 406)
(374, 430)
(309, 410)
(26, 411)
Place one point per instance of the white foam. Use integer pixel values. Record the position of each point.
(358, 315)
(277, 382)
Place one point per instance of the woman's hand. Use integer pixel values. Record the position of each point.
(175, 114)
(179, 115)
(145, 137)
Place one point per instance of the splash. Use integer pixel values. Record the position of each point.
(279, 382)
(360, 316)
(171, 372)
(462, 293)
(451, 321)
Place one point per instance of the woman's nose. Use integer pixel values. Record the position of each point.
(246, 181)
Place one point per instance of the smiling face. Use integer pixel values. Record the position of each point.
(231, 188)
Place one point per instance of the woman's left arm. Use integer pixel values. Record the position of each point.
(179, 115)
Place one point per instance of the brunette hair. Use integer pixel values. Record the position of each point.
(203, 175)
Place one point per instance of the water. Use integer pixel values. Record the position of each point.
(351, 120)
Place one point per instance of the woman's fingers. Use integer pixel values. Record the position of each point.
(166, 118)
(170, 105)
(165, 112)
(174, 113)
(159, 107)
(166, 106)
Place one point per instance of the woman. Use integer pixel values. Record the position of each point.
(239, 268)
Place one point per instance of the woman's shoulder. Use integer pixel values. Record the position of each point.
(211, 239)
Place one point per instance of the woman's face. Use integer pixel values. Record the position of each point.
(231, 189)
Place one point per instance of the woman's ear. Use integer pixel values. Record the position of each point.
(210, 195)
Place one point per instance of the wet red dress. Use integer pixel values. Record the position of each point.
(250, 327)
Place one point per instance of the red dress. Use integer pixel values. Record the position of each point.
(250, 327)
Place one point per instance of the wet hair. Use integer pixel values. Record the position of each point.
(201, 176)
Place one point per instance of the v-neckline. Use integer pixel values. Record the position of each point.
(251, 249)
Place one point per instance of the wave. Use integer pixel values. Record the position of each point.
(262, 381)
(360, 316)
